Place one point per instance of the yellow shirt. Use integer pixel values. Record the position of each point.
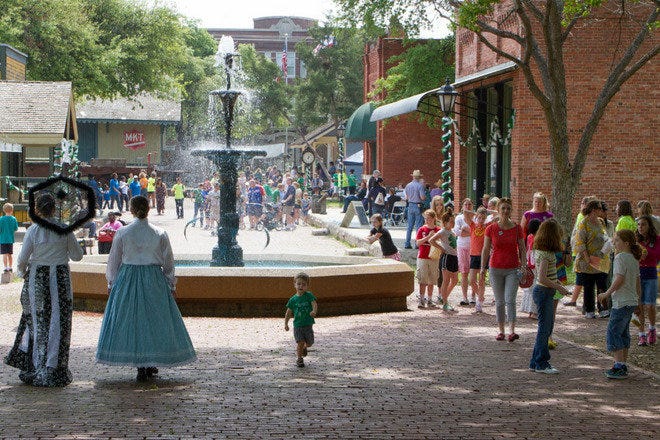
(151, 184)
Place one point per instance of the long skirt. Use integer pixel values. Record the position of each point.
(142, 325)
(41, 348)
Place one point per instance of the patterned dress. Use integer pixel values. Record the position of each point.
(41, 348)
(161, 192)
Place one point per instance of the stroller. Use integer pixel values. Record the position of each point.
(269, 219)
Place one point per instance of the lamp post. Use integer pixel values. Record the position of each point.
(341, 130)
(447, 97)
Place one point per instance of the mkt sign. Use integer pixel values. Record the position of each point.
(134, 139)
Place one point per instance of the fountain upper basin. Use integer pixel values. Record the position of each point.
(343, 285)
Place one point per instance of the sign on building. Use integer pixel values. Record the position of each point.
(134, 139)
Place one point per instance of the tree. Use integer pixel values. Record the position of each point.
(543, 29)
(420, 68)
(106, 48)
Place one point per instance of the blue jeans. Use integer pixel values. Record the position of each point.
(347, 201)
(415, 220)
(544, 299)
(199, 209)
(618, 329)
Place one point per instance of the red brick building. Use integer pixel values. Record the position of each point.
(623, 158)
(402, 144)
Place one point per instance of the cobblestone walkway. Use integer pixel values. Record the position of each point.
(421, 374)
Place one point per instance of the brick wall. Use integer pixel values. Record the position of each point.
(403, 144)
(623, 157)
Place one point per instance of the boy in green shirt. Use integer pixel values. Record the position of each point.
(302, 306)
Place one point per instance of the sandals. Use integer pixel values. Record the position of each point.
(499, 337)
(512, 337)
(300, 363)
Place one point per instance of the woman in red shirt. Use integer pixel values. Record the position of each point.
(508, 255)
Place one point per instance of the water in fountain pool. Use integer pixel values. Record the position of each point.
(261, 264)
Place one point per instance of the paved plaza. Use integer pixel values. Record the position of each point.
(419, 374)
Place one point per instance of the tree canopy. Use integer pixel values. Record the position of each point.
(106, 48)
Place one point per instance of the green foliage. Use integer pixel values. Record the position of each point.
(105, 48)
(420, 68)
(377, 16)
(333, 88)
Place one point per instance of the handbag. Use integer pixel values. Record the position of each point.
(525, 277)
(380, 199)
(435, 253)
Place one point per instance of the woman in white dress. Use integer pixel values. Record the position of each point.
(142, 326)
(41, 349)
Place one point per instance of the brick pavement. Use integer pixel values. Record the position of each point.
(422, 374)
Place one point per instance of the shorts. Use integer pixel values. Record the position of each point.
(618, 329)
(463, 259)
(450, 263)
(649, 290)
(579, 279)
(287, 209)
(304, 334)
(475, 262)
(7, 248)
(427, 271)
(254, 210)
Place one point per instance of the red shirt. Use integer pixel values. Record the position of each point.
(652, 254)
(476, 238)
(504, 254)
(425, 248)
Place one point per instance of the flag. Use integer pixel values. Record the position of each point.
(284, 65)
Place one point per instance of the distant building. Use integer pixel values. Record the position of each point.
(36, 116)
(268, 37)
(134, 131)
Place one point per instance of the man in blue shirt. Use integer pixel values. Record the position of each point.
(414, 193)
(115, 192)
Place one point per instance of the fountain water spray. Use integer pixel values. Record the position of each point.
(227, 252)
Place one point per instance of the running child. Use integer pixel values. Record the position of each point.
(8, 226)
(302, 306)
(625, 292)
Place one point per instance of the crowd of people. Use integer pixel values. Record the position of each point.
(615, 264)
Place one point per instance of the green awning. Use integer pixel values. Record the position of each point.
(359, 126)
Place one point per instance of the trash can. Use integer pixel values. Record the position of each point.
(318, 204)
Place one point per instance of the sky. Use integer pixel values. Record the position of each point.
(239, 14)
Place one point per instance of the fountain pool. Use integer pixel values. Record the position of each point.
(343, 285)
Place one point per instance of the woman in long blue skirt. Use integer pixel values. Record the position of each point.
(142, 326)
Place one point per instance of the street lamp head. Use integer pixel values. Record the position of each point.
(447, 97)
(341, 130)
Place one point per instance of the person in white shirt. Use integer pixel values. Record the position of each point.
(41, 348)
(142, 326)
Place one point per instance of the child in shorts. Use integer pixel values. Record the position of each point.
(302, 306)
(477, 278)
(625, 291)
(446, 239)
(8, 225)
(427, 268)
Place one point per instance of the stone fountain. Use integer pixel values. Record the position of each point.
(227, 252)
(345, 285)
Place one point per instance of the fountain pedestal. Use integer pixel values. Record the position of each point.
(227, 252)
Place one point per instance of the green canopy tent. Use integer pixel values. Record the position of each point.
(359, 127)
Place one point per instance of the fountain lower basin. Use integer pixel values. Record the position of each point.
(343, 286)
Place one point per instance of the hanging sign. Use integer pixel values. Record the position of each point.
(134, 139)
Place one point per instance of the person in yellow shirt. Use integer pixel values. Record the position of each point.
(151, 189)
(179, 193)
